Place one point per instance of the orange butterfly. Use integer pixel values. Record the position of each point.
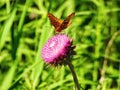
(60, 24)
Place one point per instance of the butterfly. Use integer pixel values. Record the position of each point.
(60, 24)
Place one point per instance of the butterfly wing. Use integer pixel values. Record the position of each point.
(54, 21)
(66, 22)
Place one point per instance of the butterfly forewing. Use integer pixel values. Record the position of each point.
(67, 22)
(54, 21)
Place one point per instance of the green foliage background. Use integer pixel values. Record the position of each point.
(95, 29)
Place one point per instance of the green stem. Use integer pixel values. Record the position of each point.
(74, 75)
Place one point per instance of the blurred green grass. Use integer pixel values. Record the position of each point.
(95, 29)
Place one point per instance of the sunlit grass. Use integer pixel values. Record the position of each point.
(95, 29)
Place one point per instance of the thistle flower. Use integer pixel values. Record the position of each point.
(57, 49)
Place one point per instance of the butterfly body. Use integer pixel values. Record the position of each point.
(60, 24)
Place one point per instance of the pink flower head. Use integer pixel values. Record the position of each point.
(56, 49)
